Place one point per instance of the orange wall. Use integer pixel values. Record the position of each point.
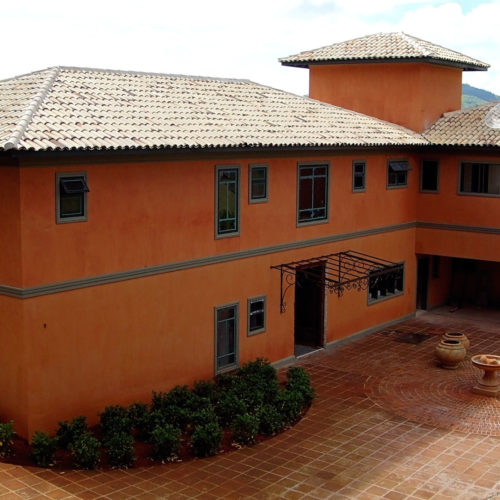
(410, 94)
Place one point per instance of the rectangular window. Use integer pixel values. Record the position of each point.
(386, 283)
(256, 315)
(480, 178)
(312, 193)
(397, 173)
(227, 201)
(258, 183)
(429, 176)
(359, 176)
(226, 337)
(71, 197)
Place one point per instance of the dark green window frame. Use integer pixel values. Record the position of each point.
(312, 193)
(256, 315)
(258, 183)
(227, 203)
(71, 197)
(358, 176)
(226, 337)
(397, 173)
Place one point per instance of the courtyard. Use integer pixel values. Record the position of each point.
(387, 423)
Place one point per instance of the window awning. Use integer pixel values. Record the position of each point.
(399, 166)
(340, 272)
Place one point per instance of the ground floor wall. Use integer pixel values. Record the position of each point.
(115, 343)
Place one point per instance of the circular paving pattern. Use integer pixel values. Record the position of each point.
(438, 397)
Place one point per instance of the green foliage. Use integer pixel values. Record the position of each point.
(298, 380)
(179, 396)
(7, 434)
(229, 406)
(114, 420)
(206, 440)
(120, 448)
(67, 432)
(245, 428)
(85, 451)
(270, 419)
(166, 442)
(204, 416)
(43, 449)
(289, 404)
(205, 389)
(138, 413)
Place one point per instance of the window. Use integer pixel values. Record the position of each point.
(227, 201)
(359, 176)
(257, 183)
(397, 173)
(480, 178)
(226, 337)
(429, 176)
(256, 315)
(71, 197)
(386, 283)
(312, 193)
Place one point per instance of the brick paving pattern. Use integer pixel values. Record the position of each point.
(387, 423)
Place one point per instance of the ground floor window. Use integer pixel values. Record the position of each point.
(226, 337)
(256, 315)
(386, 283)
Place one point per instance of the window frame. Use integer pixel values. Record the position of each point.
(389, 295)
(389, 166)
(474, 193)
(354, 164)
(438, 171)
(251, 197)
(61, 219)
(235, 232)
(235, 364)
(250, 301)
(319, 220)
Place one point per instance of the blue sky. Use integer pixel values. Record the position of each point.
(233, 38)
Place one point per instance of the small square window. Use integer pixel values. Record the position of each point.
(71, 197)
(429, 176)
(258, 183)
(397, 173)
(359, 176)
(256, 315)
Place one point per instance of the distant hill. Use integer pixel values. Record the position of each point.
(472, 96)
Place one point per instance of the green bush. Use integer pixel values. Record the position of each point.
(166, 442)
(205, 389)
(67, 432)
(229, 406)
(7, 434)
(205, 416)
(270, 420)
(43, 449)
(206, 440)
(138, 413)
(289, 404)
(179, 396)
(114, 420)
(120, 448)
(245, 428)
(85, 451)
(298, 380)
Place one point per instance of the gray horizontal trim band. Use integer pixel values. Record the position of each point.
(458, 227)
(102, 279)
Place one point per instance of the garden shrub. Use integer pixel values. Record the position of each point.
(229, 406)
(270, 420)
(204, 416)
(245, 428)
(166, 441)
(298, 380)
(206, 440)
(289, 404)
(138, 413)
(85, 451)
(120, 448)
(7, 434)
(262, 375)
(43, 449)
(205, 389)
(115, 420)
(68, 432)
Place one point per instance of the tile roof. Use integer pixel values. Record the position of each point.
(384, 47)
(79, 108)
(467, 127)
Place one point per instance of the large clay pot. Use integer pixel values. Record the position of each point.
(450, 353)
(458, 336)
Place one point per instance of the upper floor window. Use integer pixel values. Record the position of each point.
(71, 197)
(312, 193)
(227, 201)
(429, 173)
(258, 183)
(397, 173)
(359, 176)
(480, 178)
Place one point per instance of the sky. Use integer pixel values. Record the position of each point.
(233, 38)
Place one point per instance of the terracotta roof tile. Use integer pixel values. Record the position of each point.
(384, 47)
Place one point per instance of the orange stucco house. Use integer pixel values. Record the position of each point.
(161, 229)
